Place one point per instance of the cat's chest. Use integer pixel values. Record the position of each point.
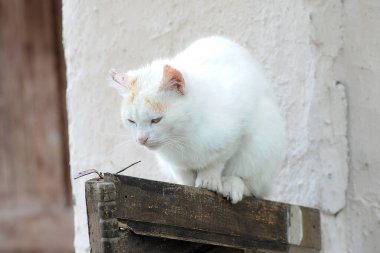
(188, 160)
(195, 157)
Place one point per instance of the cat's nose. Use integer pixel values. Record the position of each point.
(143, 140)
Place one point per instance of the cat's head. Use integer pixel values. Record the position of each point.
(152, 103)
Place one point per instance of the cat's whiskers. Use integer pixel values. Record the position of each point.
(177, 143)
(119, 145)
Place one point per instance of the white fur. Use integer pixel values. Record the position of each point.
(225, 133)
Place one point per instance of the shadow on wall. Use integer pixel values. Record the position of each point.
(35, 192)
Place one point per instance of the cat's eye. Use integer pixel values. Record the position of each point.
(131, 121)
(156, 120)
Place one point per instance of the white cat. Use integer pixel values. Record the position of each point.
(209, 116)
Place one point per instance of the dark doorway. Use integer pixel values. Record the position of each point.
(35, 194)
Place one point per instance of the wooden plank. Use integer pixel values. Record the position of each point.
(146, 209)
(101, 206)
(93, 216)
(311, 228)
(187, 213)
(132, 243)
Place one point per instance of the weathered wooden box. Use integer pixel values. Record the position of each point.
(132, 215)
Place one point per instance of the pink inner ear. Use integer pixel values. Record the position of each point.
(120, 78)
(173, 79)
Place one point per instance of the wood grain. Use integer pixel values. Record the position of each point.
(190, 217)
(33, 155)
(129, 242)
(188, 213)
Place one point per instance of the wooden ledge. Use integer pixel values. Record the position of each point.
(120, 204)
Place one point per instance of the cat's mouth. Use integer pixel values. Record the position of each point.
(152, 145)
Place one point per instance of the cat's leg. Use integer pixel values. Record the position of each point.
(210, 178)
(257, 162)
(244, 174)
(234, 188)
(184, 176)
(180, 175)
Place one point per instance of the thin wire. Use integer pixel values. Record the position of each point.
(127, 167)
(88, 172)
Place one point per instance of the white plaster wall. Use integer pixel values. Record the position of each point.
(362, 67)
(300, 44)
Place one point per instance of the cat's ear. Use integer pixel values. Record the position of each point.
(172, 80)
(119, 82)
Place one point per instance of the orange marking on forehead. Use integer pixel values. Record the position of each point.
(155, 105)
(133, 83)
(132, 97)
(134, 89)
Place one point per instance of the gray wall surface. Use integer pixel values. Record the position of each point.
(313, 52)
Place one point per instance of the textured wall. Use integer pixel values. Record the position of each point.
(300, 44)
(362, 65)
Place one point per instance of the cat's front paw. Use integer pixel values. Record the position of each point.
(233, 189)
(210, 183)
